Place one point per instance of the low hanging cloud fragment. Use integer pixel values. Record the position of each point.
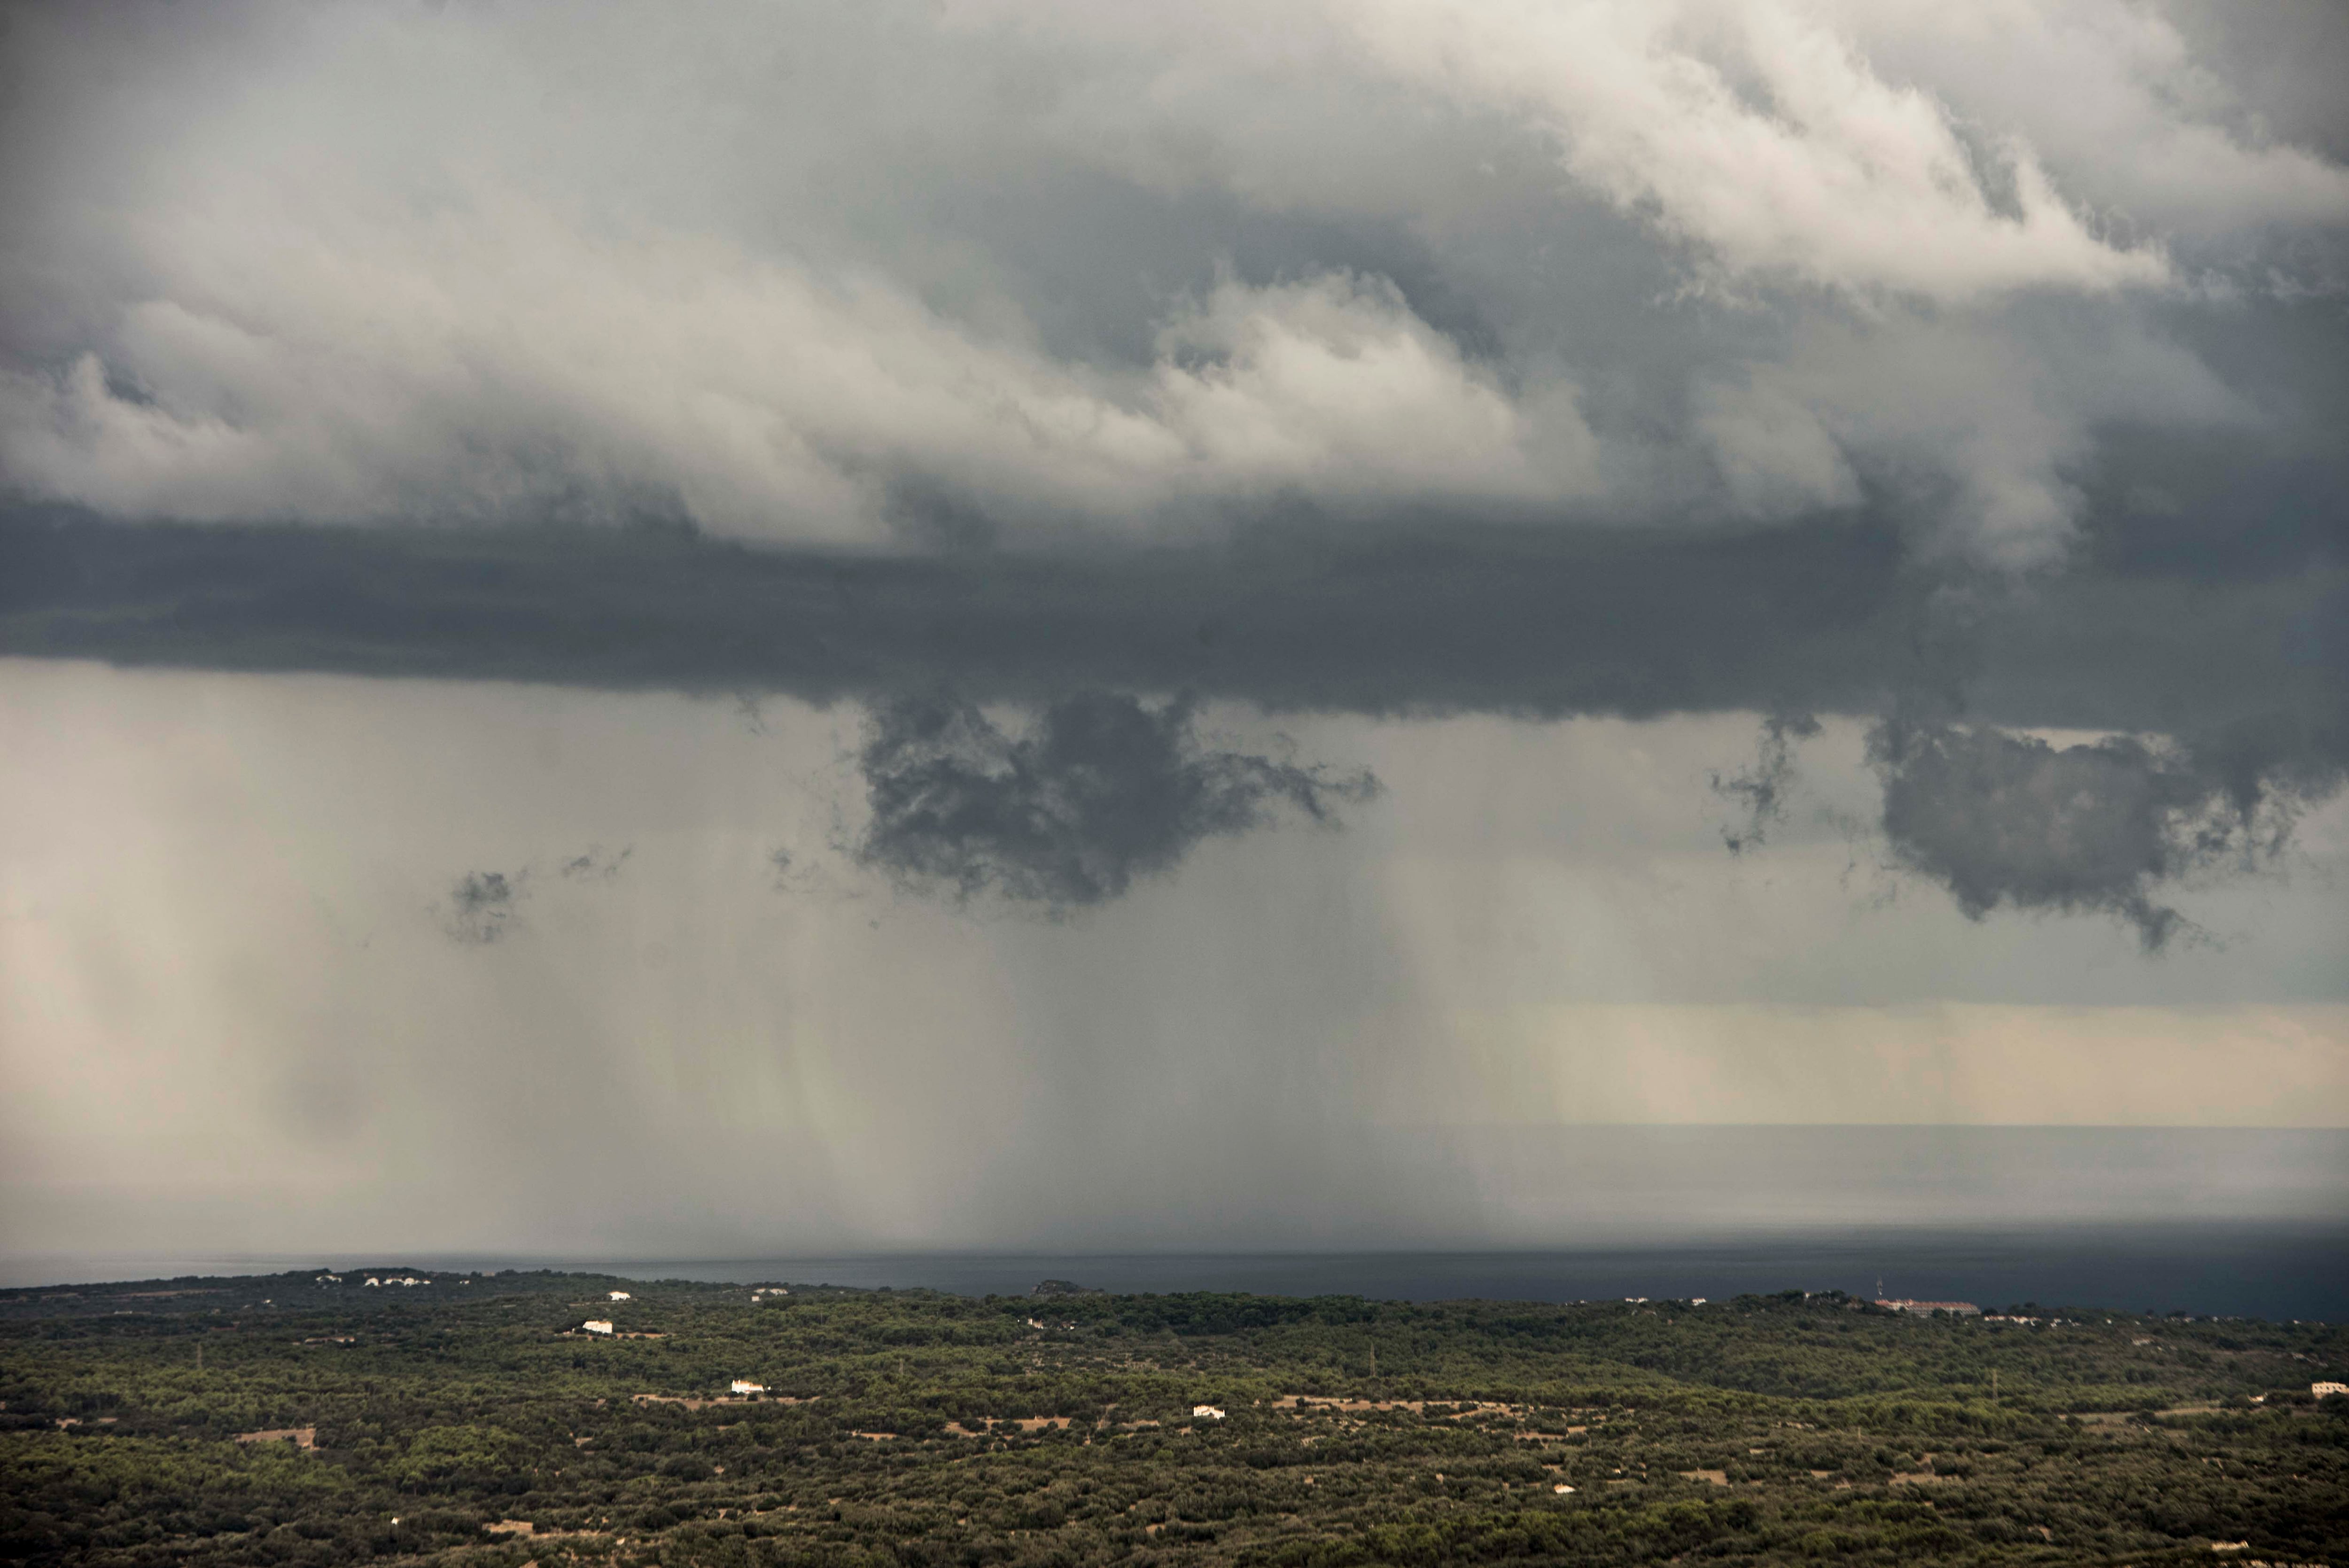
(484, 906)
(1760, 791)
(1101, 789)
(2009, 820)
(597, 864)
(481, 905)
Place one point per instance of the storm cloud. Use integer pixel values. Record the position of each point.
(1099, 790)
(2217, 656)
(1043, 272)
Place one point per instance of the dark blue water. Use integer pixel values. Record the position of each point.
(2275, 1271)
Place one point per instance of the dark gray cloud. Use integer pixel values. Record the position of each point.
(2008, 820)
(1292, 613)
(1297, 614)
(1100, 789)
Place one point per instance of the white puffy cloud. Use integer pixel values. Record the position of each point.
(1337, 385)
(2113, 99)
(498, 359)
(1761, 134)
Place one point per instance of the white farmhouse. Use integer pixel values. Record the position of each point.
(2321, 1390)
(1206, 1413)
(620, 1295)
(597, 1326)
(744, 1386)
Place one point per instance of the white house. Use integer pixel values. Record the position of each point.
(620, 1295)
(597, 1326)
(372, 1279)
(1206, 1413)
(2321, 1390)
(744, 1386)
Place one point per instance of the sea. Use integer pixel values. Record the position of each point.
(2296, 1271)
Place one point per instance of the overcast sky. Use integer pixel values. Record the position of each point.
(988, 623)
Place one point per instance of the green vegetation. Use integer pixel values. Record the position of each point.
(907, 1427)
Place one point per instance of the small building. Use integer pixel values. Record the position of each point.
(744, 1386)
(372, 1279)
(621, 1295)
(1206, 1413)
(2321, 1390)
(597, 1326)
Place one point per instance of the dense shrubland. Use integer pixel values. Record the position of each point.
(914, 1429)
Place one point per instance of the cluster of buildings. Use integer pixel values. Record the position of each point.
(1927, 1308)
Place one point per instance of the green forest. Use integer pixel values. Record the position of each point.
(317, 1418)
